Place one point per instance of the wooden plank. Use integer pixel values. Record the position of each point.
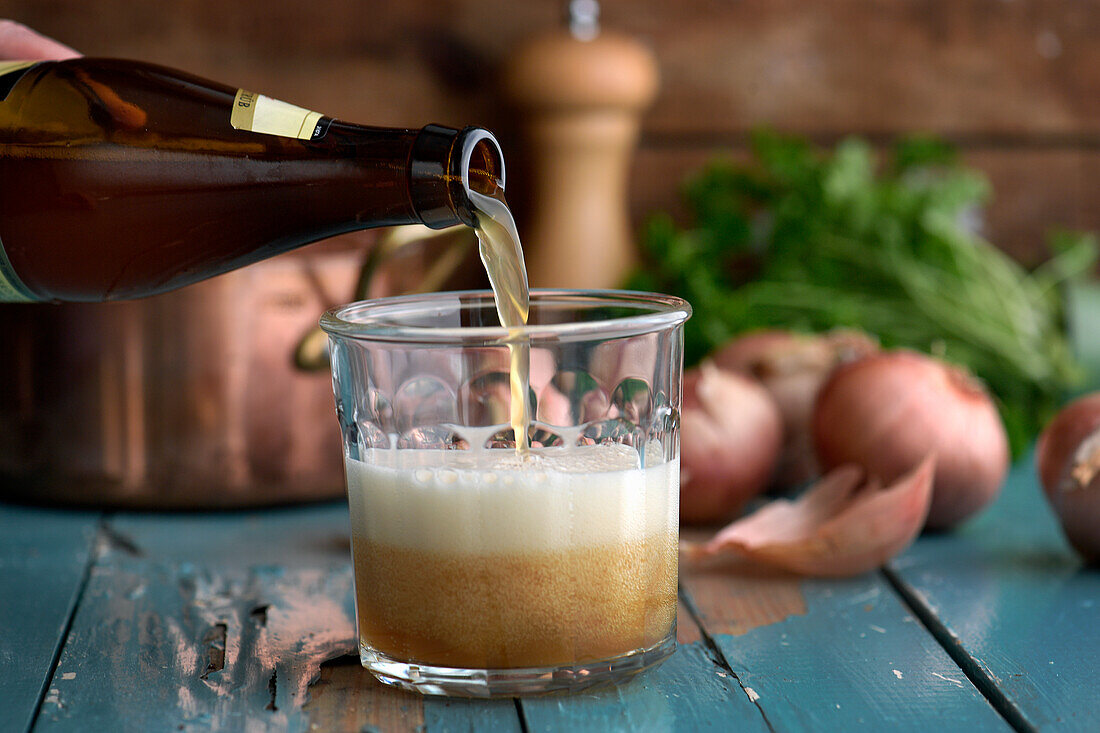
(976, 66)
(1036, 192)
(216, 621)
(851, 658)
(347, 697)
(234, 614)
(225, 620)
(1010, 599)
(456, 715)
(688, 692)
(44, 555)
(965, 66)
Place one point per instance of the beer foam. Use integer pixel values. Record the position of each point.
(493, 501)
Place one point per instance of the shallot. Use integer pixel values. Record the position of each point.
(730, 435)
(843, 525)
(887, 411)
(1068, 459)
(792, 367)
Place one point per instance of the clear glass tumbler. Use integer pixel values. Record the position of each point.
(481, 572)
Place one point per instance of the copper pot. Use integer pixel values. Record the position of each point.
(191, 399)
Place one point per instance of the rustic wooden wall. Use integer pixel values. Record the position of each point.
(1014, 83)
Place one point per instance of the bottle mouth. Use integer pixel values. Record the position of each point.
(481, 162)
(450, 165)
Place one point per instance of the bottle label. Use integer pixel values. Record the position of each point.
(12, 289)
(257, 113)
(10, 73)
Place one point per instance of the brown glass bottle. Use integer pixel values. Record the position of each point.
(121, 179)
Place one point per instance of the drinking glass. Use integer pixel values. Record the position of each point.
(483, 571)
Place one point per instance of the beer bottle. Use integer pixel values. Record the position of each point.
(121, 179)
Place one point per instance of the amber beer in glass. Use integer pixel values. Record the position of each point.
(484, 570)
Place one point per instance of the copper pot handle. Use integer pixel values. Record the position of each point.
(312, 353)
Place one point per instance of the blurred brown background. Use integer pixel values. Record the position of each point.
(160, 408)
(1013, 83)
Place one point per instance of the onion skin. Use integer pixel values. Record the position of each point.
(841, 526)
(1068, 458)
(730, 436)
(886, 412)
(792, 367)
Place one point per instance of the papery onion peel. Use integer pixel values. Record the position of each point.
(843, 525)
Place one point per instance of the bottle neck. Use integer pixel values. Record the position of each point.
(81, 162)
(446, 166)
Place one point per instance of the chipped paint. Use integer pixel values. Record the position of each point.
(753, 696)
(898, 674)
(233, 618)
(948, 679)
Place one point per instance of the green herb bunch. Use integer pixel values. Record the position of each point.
(808, 240)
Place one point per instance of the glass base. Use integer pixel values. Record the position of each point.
(458, 682)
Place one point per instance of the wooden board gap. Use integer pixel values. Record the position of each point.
(969, 666)
(93, 556)
(523, 727)
(716, 655)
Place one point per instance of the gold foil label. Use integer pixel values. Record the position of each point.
(12, 289)
(257, 113)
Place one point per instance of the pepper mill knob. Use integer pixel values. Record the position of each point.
(581, 92)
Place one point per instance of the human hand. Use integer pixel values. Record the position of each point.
(20, 43)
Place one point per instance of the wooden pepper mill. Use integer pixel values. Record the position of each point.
(581, 92)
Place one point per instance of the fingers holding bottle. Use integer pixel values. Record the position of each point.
(20, 43)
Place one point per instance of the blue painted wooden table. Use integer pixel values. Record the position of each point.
(244, 621)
